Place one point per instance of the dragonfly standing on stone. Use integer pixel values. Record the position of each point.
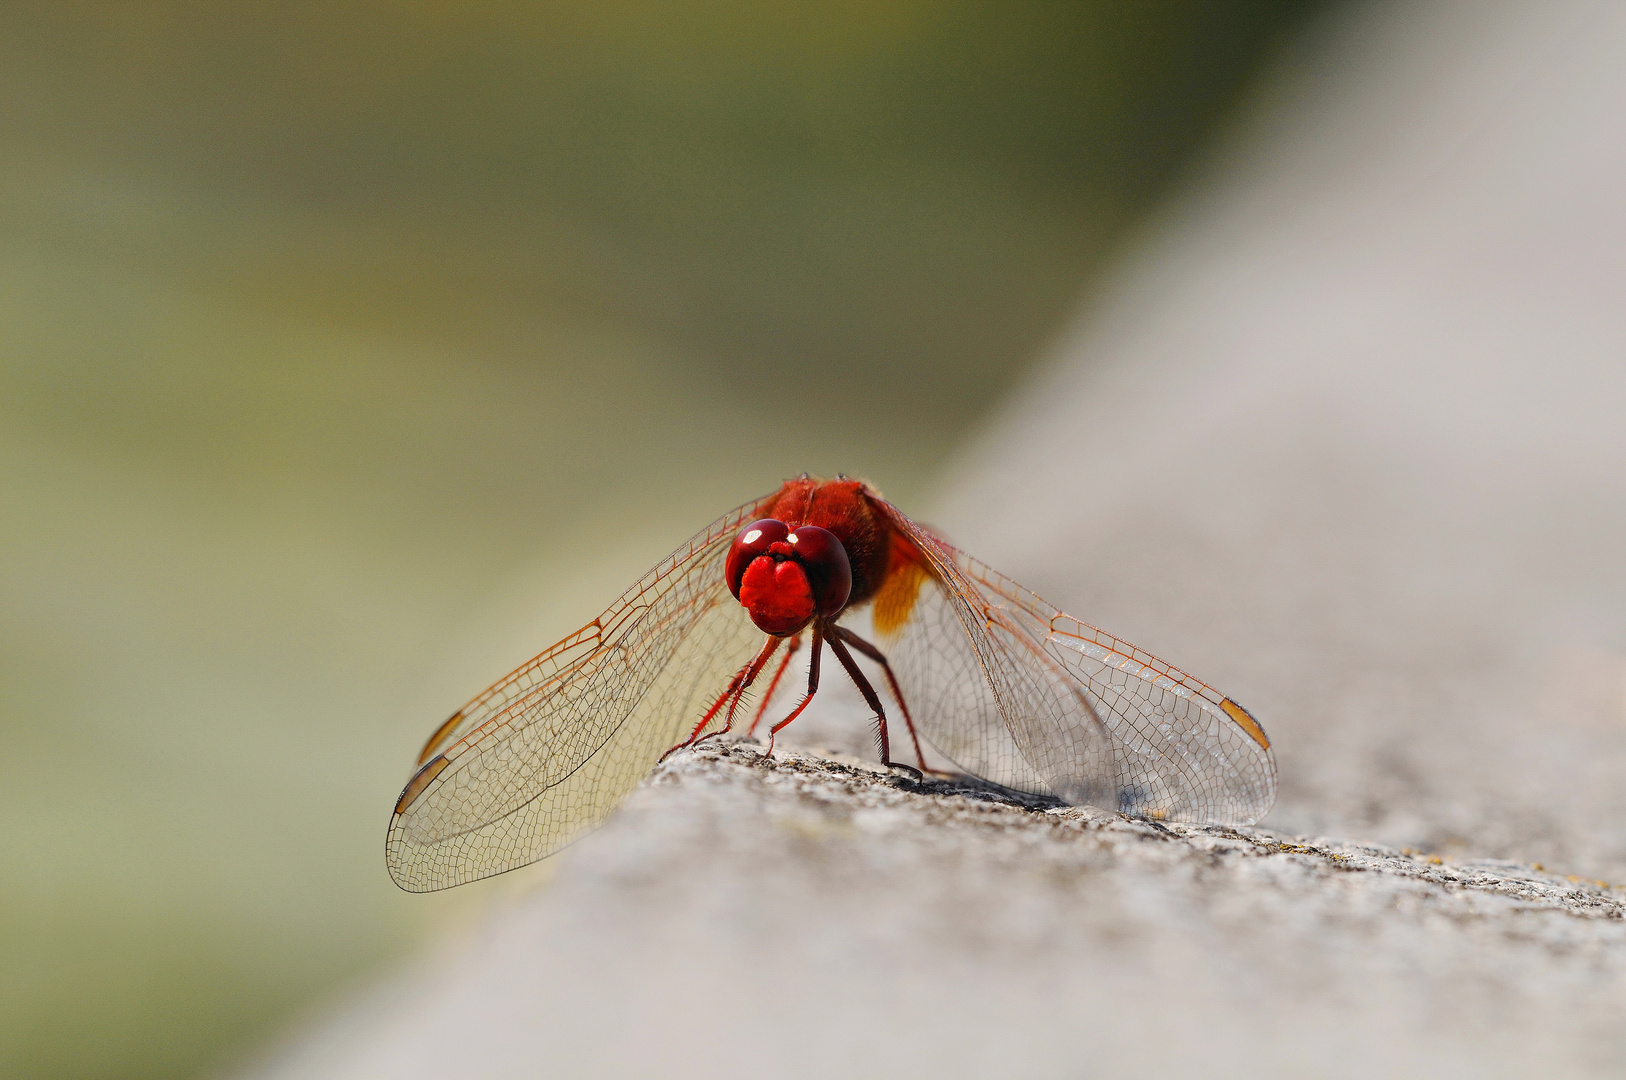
(1000, 683)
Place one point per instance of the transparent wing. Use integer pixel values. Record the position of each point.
(941, 675)
(1064, 708)
(548, 752)
(1181, 750)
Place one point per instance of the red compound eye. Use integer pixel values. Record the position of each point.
(784, 578)
(755, 539)
(828, 570)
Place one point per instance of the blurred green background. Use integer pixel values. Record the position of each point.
(351, 353)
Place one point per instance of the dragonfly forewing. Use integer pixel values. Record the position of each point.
(549, 751)
(1064, 708)
(998, 705)
(1181, 750)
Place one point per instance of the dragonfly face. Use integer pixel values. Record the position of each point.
(785, 577)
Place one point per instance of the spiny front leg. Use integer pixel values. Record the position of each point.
(812, 686)
(874, 701)
(737, 687)
(773, 684)
(897, 692)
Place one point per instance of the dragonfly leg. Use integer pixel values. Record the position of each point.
(880, 658)
(736, 687)
(873, 699)
(812, 687)
(773, 684)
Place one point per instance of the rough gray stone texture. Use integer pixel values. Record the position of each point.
(808, 917)
(1345, 439)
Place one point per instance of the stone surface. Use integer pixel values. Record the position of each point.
(807, 917)
(1343, 439)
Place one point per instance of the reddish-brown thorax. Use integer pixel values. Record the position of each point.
(845, 508)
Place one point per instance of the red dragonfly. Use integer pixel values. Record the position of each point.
(1001, 683)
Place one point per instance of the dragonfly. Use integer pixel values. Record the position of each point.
(1003, 685)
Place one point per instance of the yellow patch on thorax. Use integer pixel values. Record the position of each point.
(895, 599)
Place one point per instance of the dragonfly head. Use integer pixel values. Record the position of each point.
(785, 577)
